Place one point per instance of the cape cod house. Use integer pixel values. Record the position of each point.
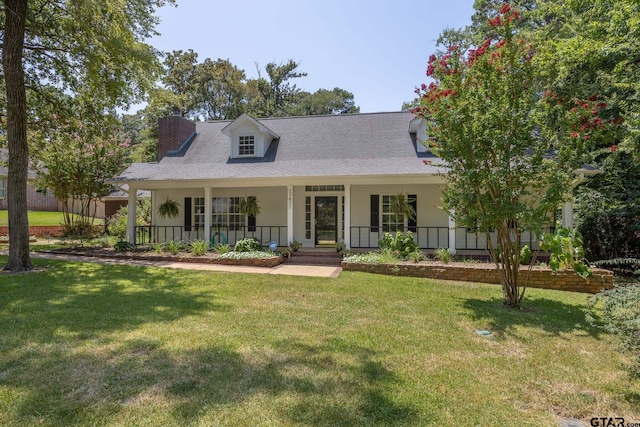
(318, 180)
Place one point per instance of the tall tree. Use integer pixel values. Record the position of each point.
(91, 46)
(220, 89)
(76, 157)
(275, 95)
(323, 101)
(479, 114)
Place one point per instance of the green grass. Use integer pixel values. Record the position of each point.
(41, 218)
(89, 344)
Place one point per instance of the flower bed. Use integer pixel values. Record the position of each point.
(537, 277)
(208, 258)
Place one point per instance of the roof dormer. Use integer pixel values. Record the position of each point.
(248, 137)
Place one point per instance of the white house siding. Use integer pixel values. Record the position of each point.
(428, 213)
(273, 213)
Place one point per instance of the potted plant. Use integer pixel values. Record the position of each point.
(249, 206)
(401, 205)
(295, 245)
(169, 208)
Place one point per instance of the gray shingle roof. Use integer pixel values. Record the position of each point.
(309, 146)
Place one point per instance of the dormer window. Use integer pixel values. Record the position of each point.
(249, 139)
(246, 145)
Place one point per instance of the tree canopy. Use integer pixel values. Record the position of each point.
(93, 50)
(219, 90)
(487, 117)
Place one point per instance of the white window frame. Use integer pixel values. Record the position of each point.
(390, 221)
(198, 212)
(3, 187)
(246, 146)
(225, 213)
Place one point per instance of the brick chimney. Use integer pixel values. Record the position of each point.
(173, 131)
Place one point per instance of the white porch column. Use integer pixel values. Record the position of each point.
(207, 214)
(567, 215)
(347, 216)
(452, 233)
(289, 214)
(131, 215)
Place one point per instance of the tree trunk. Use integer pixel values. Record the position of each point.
(15, 21)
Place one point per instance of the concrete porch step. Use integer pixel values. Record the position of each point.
(315, 256)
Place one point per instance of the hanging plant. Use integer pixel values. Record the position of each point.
(169, 208)
(249, 206)
(401, 205)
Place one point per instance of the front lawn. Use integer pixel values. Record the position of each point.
(90, 344)
(41, 218)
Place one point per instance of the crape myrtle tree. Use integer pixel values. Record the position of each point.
(75, 159)
(93, 46)
(481, 118)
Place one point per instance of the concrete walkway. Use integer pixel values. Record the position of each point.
(283, 269)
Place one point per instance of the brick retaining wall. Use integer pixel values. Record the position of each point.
(537, 277)
(38, 230)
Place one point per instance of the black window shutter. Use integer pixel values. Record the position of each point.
(251, 219)
(413, 223)
(375, 213)
(187, 214)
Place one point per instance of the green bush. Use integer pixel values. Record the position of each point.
(566, 251)
(157, 248)
(222, 248)
(199, 247)
(248, 245)
(404, 245)
(444, 255)
(117, 223)
(173, 247)
(416, 256)
(525, 255)
(620, 316)
(621, 266)
(123, 246)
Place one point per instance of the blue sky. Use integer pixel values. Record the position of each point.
(376, 49)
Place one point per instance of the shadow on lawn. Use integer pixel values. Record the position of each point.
(82, 300)
(327, 385)
(320, 385)
(551, 316)
(66, 359)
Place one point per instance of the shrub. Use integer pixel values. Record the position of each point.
(222, 248)
(444, 255)
(117, 223)
(173, 247)
(199, 247)
(620, 308)
(416, 256)
(611, 234)
(295, 245)
(402, 244)
(248, 245)
(566, 251)
(621, 266)
(157, 248)
(525, 255)
(123, 246)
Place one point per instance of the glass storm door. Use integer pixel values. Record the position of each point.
(326, 220)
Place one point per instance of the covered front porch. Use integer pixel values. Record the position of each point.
(355, 215)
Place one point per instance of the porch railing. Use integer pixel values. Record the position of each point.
(148, 234)
(426, 237)
(437, 237)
